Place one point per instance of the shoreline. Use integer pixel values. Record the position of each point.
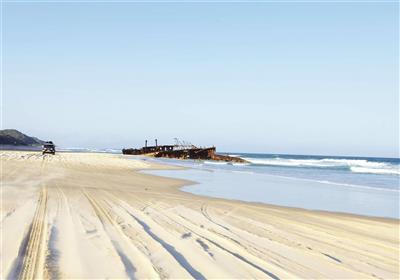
(113, 220)
(155, 166)
(193, 182)
(186, 183)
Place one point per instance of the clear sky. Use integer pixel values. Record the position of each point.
(302, 78)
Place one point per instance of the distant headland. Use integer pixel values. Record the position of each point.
(13, 137)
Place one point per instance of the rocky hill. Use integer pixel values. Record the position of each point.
(15, 138)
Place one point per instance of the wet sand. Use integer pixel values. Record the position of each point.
(77, 215)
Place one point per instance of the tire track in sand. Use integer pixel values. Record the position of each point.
(106, 220)
(245, 259)
(170, 249)
(29, 262)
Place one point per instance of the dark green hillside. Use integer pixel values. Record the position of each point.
(16, 138)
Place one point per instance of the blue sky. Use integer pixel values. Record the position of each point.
(303, 78)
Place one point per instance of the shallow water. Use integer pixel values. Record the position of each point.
(331, 188)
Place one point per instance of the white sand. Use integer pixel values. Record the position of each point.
(76, 215)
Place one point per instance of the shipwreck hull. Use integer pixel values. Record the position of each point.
(196, 153)
(170, 151)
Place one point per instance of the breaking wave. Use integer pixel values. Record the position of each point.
(390, 171)
(354, 165)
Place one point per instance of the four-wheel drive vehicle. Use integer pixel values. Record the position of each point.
(49, 148)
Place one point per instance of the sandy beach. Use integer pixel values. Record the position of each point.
(87, 215)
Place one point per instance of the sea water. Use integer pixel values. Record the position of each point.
(364, 186)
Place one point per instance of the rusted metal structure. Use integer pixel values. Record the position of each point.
(193, 153)
(181, 150)
(148, 150)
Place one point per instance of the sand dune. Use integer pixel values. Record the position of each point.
(76, 215)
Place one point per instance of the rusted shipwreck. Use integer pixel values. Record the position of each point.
(182, 151)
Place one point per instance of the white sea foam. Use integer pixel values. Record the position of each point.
(243, 172)
(355, 165)
(397, 190)
(395, 171)
(357, 186)
(215, 162)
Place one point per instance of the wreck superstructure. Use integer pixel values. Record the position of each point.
(181, 151)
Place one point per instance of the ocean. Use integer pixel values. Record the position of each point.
(358, 185)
